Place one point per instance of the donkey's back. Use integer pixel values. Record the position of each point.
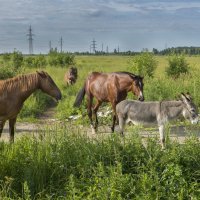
(138, 112)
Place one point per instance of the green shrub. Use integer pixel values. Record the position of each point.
(40, 61)
(29, 62)
(60, 59)
(7, 72)
(6, 57)
(17, 60)
(177, 66)
(143, 64)
(12, 64)
(35, 61)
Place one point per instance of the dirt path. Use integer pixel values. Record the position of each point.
(21, 128)
(47, 119)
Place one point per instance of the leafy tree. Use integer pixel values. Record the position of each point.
(177, 66)
(143, 64)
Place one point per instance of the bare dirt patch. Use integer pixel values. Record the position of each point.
(178, 133)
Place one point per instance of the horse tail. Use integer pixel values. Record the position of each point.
(80, 97)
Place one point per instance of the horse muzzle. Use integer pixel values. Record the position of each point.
(59, 97)
(141, 98)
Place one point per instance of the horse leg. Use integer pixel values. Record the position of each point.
(96, 107)
(12, 129)
(89, 110)
(162, 136)
(2, 123)
(114, 116)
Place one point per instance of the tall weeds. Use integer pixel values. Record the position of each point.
(58, 163)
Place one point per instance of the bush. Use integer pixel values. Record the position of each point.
(7, 72)
(17, 60)
(6, 57)
(35, 62)
(40, 61)
(11, 65)
(60, 59)
(177, 66)
(143, 64)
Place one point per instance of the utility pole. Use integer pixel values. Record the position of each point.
(94, 45)
(118, 49)
(61, 44)
(50, 46)
(30, 39)
(102, 47)
(107, 49)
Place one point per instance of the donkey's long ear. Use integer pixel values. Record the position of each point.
(188, 96)
(184, 98)
(42, 74)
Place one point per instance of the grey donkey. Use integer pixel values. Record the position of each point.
(156, 112)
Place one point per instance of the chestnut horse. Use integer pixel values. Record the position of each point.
(71, 76)
(14, 91)
(108, 87)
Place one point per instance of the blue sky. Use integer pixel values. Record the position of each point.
(129, 24)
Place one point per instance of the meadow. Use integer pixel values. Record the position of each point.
(63, 162)
(160, 87)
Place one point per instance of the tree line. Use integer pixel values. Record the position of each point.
(178, 50)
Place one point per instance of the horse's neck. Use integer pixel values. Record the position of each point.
(173, 109)
(126, 85)
(27, 85)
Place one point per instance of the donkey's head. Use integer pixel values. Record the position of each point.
(48, 86)
(190, 110)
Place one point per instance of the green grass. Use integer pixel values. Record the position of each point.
(158, 88)
(63, 163)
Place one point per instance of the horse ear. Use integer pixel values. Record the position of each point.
(42, 74)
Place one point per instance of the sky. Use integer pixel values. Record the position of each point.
(128, 24)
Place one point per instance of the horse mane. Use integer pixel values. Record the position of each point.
(133, 76)
(18, 83)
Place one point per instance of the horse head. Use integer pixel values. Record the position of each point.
(190, 110)
(48, 86)
(137, 87)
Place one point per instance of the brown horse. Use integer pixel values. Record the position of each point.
(71, 76)
(14, 91)
(108, 87)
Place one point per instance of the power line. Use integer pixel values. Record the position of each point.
(30, 39)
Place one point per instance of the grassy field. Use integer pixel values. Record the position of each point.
(62, 162)
(158, 88)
